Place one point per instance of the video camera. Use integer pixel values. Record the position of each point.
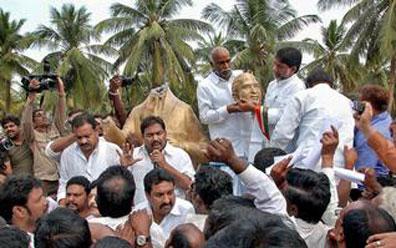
(126, 81)
(6, 144)
(47, 80)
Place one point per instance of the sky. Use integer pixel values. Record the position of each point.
(36, 12)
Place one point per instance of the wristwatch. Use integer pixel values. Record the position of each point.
(141, 240)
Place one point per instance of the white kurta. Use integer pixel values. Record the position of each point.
(303, 119)
(278, 94)
(213, 95)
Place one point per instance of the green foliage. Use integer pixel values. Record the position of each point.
(148, 37)
(69, 38)
(12, 61)
(371, 35)
(262, 26)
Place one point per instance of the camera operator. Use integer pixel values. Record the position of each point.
(15, 147)
(378, 97)
(38, 132)
(115, 98)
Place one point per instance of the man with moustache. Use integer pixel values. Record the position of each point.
(286, 84)
(77, 191)
(23, 203)
(216, 104)
(168, 211)
(156, 152)
(89, 156)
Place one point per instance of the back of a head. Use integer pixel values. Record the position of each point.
(12, 237)
(211, 184)
(116, 189)
(15, 192)
(185, 236)
(318, 76)
(359, 224)
(376, 95)
(290, 56)
(310, 192)
(388, 201)
(62, 228)
(256, 232)
(226, 211)
(265, 157)
(111, 242)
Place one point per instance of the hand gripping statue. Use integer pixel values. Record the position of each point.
(248, 95)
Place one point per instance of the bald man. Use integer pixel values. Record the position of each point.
(216, 104)
(185, 236)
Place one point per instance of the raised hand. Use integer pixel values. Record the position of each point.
(351, 157)
(372, 187)
(330, 142)
(115, 83)
(126, 158)
(279, 172)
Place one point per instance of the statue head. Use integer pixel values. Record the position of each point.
(246, 87)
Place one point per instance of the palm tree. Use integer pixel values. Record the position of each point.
(69, 37)
(205, 47)
(332, 55)
(12, 61)
(147, 34)
(372, 33)
(261, 26)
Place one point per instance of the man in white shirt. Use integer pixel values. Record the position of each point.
(89, 156)
(157, 152)
(286, 84)
(267, 196)
(168, 211)
(306, 114)
(216, 104)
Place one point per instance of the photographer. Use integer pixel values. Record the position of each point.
(38, 132)
(378, 97)
(15, 147)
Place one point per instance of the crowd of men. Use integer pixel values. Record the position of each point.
(299, 166)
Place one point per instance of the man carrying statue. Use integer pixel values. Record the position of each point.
(224, 107)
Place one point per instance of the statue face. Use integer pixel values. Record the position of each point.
(250, 90)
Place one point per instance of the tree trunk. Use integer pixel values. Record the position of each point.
(7, 96)
(158, 70)
(392, 82)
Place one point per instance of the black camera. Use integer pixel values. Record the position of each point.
(359, 107)
(6, 144)
(126, 81)
(47, 80)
